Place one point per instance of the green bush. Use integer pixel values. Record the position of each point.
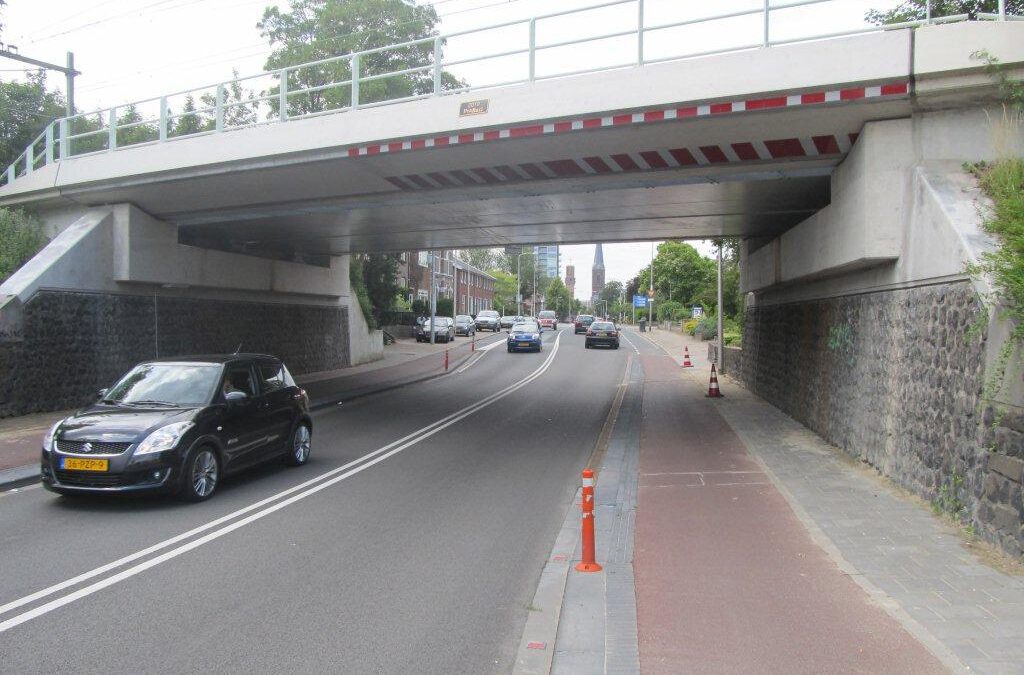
(21, 238)
(355, 277)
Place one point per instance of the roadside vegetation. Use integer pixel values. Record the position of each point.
(21, 238)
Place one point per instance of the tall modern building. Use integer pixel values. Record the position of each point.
(570, 279)
(597, 272)
(547, 260)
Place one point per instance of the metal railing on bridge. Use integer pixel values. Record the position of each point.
(224, 105)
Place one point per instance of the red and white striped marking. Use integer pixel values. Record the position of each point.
(629, 162)
(887, 90)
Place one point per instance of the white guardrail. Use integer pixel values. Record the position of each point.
(225, 108)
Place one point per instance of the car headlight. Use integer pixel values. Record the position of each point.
(536, 336)
(51, 436)
(163, 438)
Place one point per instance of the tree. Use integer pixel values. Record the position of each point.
(239, 106)
(20, 238)
(189, 122)
(611, 293)
(558, 298)
(320, 29)
(140, 133)
(480, 258)
(25, 110)
(916, 10)
(504, 291)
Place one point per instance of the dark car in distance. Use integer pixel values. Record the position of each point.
(179, 426)
(602, 333)
(582, 323)
(444, 329)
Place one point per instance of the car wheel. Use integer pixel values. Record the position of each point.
(300, 447)
(201, 475)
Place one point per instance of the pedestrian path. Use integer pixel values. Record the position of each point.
(910, 563)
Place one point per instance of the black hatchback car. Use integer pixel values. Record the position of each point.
(179, 426)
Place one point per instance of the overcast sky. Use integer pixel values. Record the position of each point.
(130, 50)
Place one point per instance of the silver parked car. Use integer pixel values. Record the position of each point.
(464, 325)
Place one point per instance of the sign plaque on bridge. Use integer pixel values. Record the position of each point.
(473, 108)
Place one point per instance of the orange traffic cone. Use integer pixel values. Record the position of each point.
(713, 391)
(686, 357)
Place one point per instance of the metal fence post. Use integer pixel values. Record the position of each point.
(282, 96)
(767, 12)
(163, 119)
(437, 67)
(640, 32)
(11, 174)
(533, 49)
(49, 143)
(112, 130)
(355, 81)
(30, 158)
(219, 123)
(65, 145)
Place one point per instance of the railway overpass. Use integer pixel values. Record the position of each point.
(837, 161)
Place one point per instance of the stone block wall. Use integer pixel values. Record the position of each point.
(734, 362)
(76, 343)
(895, 379)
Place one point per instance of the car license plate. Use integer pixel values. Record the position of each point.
(76, 464)
(524, 344)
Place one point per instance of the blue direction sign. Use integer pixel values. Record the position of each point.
(639, 300)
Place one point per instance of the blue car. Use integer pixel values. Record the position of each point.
(524, 337)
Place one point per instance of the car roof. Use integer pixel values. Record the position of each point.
(213, 358)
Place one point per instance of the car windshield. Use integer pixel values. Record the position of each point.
(463, 319)
(178, 384)
(584, 317)
(547, 315)
(602, 325)
(524, 328)
(439, 322)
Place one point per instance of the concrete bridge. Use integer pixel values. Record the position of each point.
(837, 161)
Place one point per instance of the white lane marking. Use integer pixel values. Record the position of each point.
(628, 342)
(482, 352)
(377, 456)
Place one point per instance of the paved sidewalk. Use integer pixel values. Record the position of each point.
(909, 562)
(404, 362)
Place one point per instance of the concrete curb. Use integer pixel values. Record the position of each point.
(537, 646)
(19, 476)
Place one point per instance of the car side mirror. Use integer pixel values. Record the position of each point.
(236, 397)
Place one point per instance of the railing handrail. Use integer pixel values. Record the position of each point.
(57, 136)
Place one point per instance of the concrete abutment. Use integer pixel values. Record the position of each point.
(863, 324)
(115, 287)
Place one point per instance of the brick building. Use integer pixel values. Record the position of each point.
(470, 288)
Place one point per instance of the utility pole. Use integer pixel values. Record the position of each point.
(433, 294)
(650, 300)
(721, 340)
(11, 52)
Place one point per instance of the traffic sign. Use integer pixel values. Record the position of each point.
(639, 300)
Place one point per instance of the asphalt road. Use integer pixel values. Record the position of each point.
(420, 558)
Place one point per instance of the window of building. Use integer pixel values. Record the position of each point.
(423, 258)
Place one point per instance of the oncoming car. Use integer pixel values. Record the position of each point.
(179, 426)
(524, 336)
(548, 319)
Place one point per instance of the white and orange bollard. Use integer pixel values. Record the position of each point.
(713, 390)
(686, 357)
(589, 564)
